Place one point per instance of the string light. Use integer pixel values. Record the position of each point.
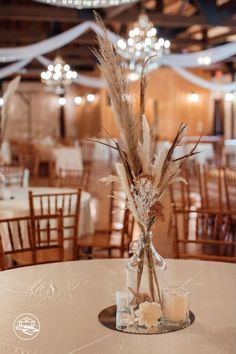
(206, 60)
(78, 100)
(91, 97)
(229, 97)
(62, 101)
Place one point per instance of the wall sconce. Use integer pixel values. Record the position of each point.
(91, 97)
(62, 101)
(78, 100)
(193, 97)
(1, 101)
(229, 97)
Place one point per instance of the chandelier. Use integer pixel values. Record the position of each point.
(58, 76)
(85, 4)
(141, 44)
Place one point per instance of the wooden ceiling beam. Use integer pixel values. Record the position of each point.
(172, 21)
(54, 14)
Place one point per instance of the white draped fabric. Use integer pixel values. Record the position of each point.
(204, 83)
(13, 68)
(51, 44)
(178, 62)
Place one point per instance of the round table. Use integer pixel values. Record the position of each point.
(19, 205)
(67, 297)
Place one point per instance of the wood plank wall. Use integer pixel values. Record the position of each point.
(167, 106)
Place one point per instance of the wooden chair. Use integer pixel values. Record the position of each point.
(27, 156)
(205, 235)
(117, 234)
(214, 194)
(230, 188)
(87, 148)
(73, 178)
(44, 204)
(94, 245)
(29, 240)
(14, 175)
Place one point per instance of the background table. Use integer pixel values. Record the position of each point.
(67, 297)
(19, 206)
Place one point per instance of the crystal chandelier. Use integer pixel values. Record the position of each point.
(58, 76)
(86, 4)
(141, 44)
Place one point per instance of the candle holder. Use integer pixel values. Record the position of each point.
(175, 302)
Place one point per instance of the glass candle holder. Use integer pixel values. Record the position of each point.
(175, 301)
(122, 309)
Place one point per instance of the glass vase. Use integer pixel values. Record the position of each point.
(145, 281)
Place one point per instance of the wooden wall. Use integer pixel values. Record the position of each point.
(167, 106)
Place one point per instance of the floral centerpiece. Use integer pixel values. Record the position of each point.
(144, 177)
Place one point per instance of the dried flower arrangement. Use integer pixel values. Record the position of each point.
(143, 177)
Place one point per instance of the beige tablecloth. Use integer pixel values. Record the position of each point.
(67, 297)
(68, 158)
(19, 206)
(64, 157)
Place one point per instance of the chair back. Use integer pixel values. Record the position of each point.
(127, 231)
(73, 178)
(205, 234)
(26, 236)
(214, 195)
(14, 175)
(230, 188)
(69, 202)
(87, 148)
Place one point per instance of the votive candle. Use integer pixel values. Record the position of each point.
(175, 304)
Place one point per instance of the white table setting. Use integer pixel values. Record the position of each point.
(18, 205)
(66, 298)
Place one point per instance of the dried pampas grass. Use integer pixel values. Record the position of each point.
(114, 74)
(143, 176)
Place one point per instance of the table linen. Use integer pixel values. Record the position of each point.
(67, 297)
(19, 205)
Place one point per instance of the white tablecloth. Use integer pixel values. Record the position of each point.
(103, 152)
(19, 206)
(68, 158)
(67, 297)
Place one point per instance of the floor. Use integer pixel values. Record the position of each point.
(99, 191)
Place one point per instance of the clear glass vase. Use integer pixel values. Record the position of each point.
(145, 281)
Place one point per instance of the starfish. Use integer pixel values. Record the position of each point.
(139, 298)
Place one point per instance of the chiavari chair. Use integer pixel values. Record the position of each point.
(116, 236)
(204, 234)
(29, 240)
(73, 178)
(14, 175)
(213, 188)
(230, 188)
(87, 149)
(44, 204)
